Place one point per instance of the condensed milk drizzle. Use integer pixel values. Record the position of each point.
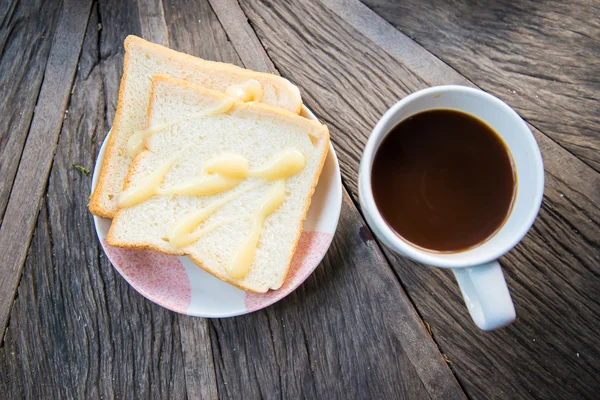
(206, 185)
(251, 90)
(221, 174)
(225, 172)
(244, 257)
(148, 187)
(182, 235)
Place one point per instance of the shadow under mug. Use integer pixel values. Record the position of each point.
(477, 270)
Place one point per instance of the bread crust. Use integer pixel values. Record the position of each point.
(96, 204)
(310, 194)
(238, 107)
(229, 68)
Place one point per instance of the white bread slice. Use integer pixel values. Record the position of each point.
(252, 130)
(143, 60)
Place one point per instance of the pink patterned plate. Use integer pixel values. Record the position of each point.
(178, 284)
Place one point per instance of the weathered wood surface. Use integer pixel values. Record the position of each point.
(153, 23)
(200, 376)
(541, 57)
(32, 174)
(552, 274)
(25, 30)
(244, 39)
(78, 330)
(195, 29)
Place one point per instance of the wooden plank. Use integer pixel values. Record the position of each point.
(409, 334)
(201, 382)
(542, 58)
(77, 330)
(395, 43)
(26, 30)
(152, 22)
(243, 38)
(560, 255)
(21, 211)
(195, 29)
(115, 22)
(20, 363)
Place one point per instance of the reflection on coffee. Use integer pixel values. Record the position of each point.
(444, 180)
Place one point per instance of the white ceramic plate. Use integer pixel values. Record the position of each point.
(178, 284)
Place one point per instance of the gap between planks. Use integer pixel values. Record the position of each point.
(242, 36)
(153, 22)
(38, 153)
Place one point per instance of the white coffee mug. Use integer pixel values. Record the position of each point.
(477, 270)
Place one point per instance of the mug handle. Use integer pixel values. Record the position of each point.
(486, 295)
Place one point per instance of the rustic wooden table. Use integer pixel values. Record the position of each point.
(367, 324)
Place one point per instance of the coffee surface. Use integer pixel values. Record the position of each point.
(443, 180)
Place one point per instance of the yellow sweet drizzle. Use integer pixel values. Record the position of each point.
(206, 185)
(281, 166)
(147, 187)
(230, 165)
(244, 257)
(221, 174)
(205, 231)
(182, 236)
(251, 90)
(226, 171)
(135, 144)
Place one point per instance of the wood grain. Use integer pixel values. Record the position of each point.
(195, 29)
(541, 57)
(77, 329)
(22, 208)
(239, 31)
(26, 30)
(152, 22)
(554, 306)
(116, 20)
(201, 382)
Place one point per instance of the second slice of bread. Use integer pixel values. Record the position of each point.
(143, 60)
(254, 131)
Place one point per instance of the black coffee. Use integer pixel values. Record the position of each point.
(443, 180)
